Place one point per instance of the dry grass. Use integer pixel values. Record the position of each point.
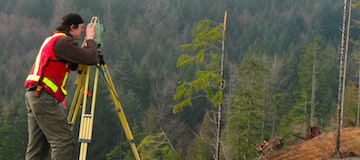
(323, 147)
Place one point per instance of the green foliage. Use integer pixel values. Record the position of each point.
(125, 75)
(13, 131)
(150, 121)
(236, 135)
(328, 83)
(312, 56)
(110, 45)
(156, 147)
(144, 79)
(114, 154)
(132, 108)
(199, 149)
(126, 150)
(205, 34)
(306, 63)
(248, 102)
(300, 110)
(290, 70)
(330, 20)
(350, 105)
(286, 129)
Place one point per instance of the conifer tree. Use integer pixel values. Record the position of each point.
(357, 61)
(309, 71)
(125, 77)
(13, 131)
(144, 79)
(249, 100)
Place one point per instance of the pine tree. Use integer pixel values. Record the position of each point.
(311, 81)
(144, 79)
(309, 70)
(125, 77)
(249, 99)
(13, 131)
(291, 84)
(328, 84)
(133, 108)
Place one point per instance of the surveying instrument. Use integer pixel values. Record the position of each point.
(81, 95)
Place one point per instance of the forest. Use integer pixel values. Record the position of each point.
(281, 73)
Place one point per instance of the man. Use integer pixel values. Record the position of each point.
(45, 88)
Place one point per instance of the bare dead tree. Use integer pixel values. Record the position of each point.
(341, 79)
(221, 87)
(161, 95)
(313, 85)
(345, 64)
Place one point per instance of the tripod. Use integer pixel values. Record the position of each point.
(87, 119)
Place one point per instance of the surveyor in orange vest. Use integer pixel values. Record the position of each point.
(45, 88)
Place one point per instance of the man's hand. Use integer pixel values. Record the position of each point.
(90, 31)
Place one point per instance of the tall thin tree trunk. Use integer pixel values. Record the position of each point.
(339, 118)
(249, 113)
(221, 87)
(345, 64)
(313, 86)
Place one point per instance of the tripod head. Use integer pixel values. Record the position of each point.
(99, 30)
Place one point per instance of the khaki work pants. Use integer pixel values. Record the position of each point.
(48, 129)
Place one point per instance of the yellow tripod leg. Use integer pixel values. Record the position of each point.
(120, 111)
(86, 124)
(77, 99)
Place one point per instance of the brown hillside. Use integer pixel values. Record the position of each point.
(323, 147)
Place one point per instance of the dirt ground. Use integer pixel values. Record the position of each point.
(322, 147)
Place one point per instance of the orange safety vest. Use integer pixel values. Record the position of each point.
(49, 71)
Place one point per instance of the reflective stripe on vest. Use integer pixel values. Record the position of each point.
(35, 77)
(64, 83)
(50, 84)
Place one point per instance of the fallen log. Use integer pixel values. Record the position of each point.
(266, 147)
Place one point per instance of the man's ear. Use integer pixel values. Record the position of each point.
(72, 27)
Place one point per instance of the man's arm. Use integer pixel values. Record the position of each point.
(66, 48)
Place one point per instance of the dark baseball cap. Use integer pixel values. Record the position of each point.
(69, 19)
